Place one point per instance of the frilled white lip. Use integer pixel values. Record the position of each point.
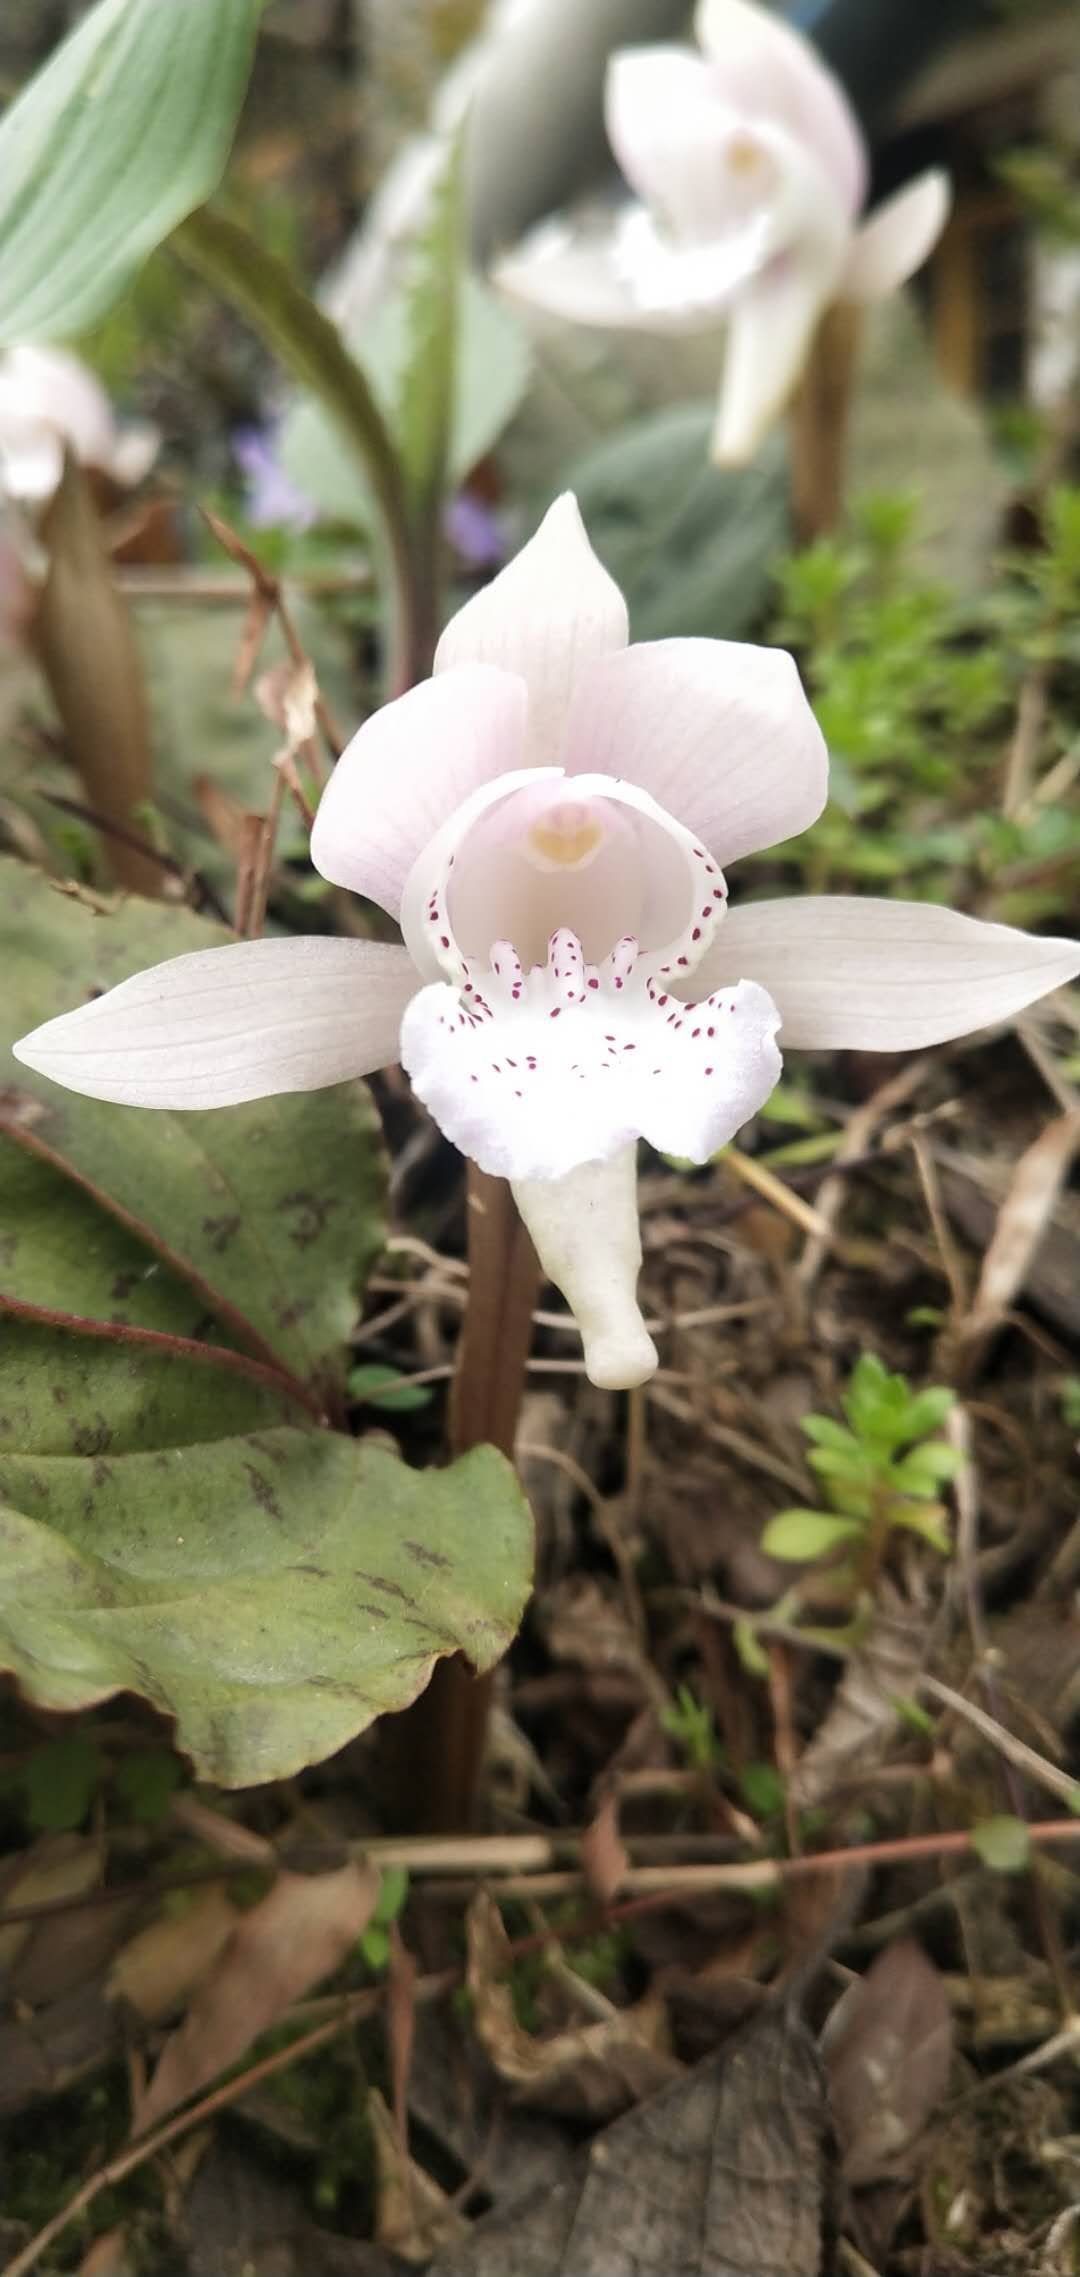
(564, 1043)
(750, 171)
(549, 818)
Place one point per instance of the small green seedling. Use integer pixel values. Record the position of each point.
(690, 1724)
(881, 1470)
(374, 1943)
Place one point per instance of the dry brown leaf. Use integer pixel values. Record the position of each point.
(59, 1866)
(604, 1858)
(160, 1967)
(864, 1713)
(1023, 1222)
(83, 636)
(299, 1933)
(591, 2071)
(109, 2256)
(722, 2174)
(888, 2049)
(415, 2217)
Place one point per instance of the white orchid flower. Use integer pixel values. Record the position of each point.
(547, 817)
(48, 400)
(751, 172)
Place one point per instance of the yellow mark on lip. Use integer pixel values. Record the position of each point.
(743, 155)
(566, 836)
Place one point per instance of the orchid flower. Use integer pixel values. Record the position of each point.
(751, 172)
(547, 818)
(48, 400)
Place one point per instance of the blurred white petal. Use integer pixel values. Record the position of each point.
(765, 68)
(223, 1025)
(860, 974)
(897, 238)
(769, 334)
(624, 280)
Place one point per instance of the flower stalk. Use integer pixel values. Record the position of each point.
(820, 422)
(436, 1748)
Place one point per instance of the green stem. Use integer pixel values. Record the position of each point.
(260, 287)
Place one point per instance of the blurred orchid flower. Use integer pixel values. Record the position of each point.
(751, 172)
(546, 817)
(49, 400)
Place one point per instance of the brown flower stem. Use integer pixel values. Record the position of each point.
(436, 1748)
(820, 417)
(82, 635)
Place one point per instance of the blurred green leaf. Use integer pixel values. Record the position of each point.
(426, 386)
(124, 131)
(693, 547)
(379, 1386)
(59, 1781)
(146, 1781)
(1003, 1843)
(490, 377)
(800, 1535)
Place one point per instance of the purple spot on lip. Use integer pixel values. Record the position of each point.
(594, 983)
(444, 940)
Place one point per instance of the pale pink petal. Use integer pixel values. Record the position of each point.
(601, 280)
(223, 1025)
(665, 124)
(532, 1074)
(764, 68)
(771, 328)
(407, 769)
(849, 973)
(585, 1232)
(546, 616)
(897, 238)
(726, 191)
(718, 732)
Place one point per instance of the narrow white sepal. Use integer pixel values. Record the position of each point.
(585, 1229)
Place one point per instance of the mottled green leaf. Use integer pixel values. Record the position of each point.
(124, 131)
(271, 1589)
(270, 1212)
